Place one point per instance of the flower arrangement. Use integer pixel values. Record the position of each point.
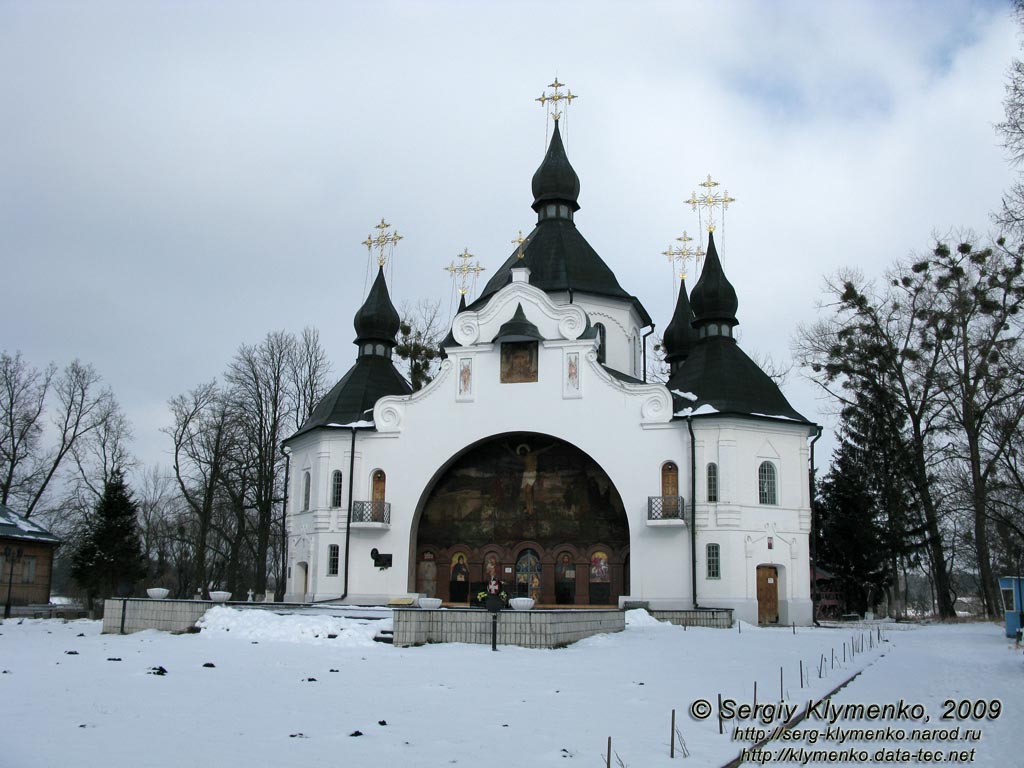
(494, 587)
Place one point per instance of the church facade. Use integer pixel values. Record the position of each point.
(540, 456)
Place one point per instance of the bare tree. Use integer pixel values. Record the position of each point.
(202, 436)
(83, 406)
(308, 369)
(419, 339)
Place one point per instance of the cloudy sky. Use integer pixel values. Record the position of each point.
(179, 178)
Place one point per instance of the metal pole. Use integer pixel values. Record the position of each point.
(494, 631)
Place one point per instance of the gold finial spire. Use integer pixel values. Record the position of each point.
(463, 272)
(708, 201)
(384, 242)
(552, 101)
(520, 241)
(679, 254)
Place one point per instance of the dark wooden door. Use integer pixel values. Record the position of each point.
(767, 594)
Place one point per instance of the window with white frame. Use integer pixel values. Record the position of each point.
(712, 483)
(767, 486)
(305, 490)
(332, 560)
(714, 561)
(337, 488)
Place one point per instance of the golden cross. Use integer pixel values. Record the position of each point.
(679, 254)
(555, 97)
(384, 242)
(463, 271)
(519, 241)
(710, 200)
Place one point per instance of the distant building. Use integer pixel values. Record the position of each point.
(540, 456)
(26, 559)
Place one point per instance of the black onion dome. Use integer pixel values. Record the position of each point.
(680, 335)
(377, 319)
(556, 179)
(713, 297)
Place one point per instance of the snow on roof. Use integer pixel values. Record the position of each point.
(14, 526)
(701, 411)
(353, 424)
(685, 395)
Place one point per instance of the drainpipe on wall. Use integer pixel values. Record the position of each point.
(284, 520)
(814, 535)
(348, 525)
(643, 343)
(693, 509)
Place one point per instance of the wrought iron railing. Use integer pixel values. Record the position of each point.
(371, 512)
(666, 508)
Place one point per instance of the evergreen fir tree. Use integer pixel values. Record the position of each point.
(109, 555)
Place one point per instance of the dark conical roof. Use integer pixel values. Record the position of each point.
(713, 297)
(518, 328)
(721, 375)
(352, 399)
(556, 179)
(680, 335)
(377, 319)
(560, 259)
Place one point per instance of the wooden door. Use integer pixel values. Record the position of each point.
(379, 481)
(767, 594)
(670, 489)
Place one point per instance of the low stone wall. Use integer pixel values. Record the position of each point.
(529, 629)
(142, 613)
(716, 618)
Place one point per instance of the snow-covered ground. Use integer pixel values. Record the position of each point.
(259, 689)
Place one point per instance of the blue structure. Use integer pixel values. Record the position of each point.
(1012, 589)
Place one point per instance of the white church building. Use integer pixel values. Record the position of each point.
(539, 455)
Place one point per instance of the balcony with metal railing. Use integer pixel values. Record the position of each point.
(666, 511)
(371, 514)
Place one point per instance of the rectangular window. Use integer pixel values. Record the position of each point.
(1008, 603)
(28, 570)
(714, 561)
(332, 560)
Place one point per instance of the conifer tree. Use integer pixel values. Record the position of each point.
(109, 556)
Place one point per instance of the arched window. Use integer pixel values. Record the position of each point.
(337, 488)
(714, 561)
(528, 575)
(305, 491)
(712, 483)
(767, 489)
(332, 560)
(602, 342)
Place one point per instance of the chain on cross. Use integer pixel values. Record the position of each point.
(707, 202)
(384, 242)
(465, 272)
(680, 254)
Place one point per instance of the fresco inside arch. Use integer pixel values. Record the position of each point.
(524, 487)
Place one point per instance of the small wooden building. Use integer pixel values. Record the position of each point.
(26, 559)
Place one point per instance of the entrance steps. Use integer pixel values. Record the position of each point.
(385, 636)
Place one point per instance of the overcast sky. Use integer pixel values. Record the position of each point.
(179, 178)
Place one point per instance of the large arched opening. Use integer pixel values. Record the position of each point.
(534, 511)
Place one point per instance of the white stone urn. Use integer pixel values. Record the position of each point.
(220, 597)
(521, 603)
(430, 603)
(158, 593)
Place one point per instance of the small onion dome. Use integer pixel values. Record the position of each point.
(556, 180)
(377, 319)
(713, 298)
(679, 336)
(518, 328)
